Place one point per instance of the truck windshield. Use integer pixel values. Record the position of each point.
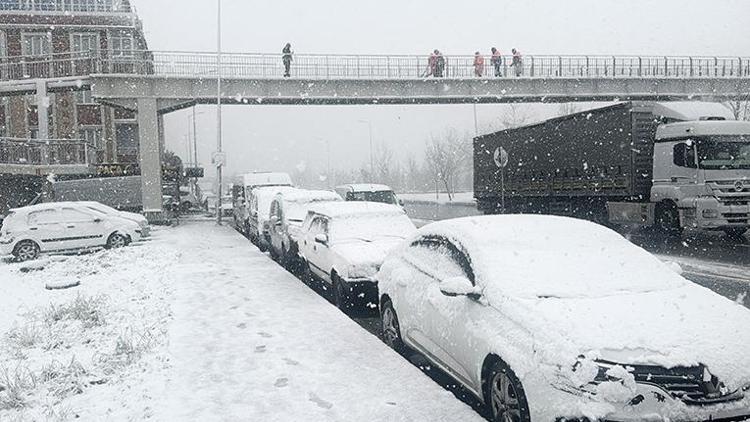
(724, 152)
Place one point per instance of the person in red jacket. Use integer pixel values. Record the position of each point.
(478, 64)
(517, 62)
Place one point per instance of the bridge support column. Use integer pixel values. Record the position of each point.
(150, 159)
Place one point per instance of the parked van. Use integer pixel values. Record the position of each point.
(368, 192)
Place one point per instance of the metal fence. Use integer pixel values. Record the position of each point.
(322, 67)
(51, 152)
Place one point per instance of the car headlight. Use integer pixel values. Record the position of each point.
(592, 377)
(6, 240)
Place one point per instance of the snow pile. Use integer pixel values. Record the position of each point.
(75, 352)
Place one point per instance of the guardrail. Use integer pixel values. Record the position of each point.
(323, 67)
(49, 152)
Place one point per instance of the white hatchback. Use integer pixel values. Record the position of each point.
(51, 227)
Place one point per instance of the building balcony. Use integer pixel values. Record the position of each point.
(66, 6)
(37, 157)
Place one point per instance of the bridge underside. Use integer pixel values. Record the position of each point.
(173, 93)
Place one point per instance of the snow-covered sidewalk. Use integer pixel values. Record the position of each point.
(251, 342)
(197, 324)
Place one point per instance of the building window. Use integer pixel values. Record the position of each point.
(122, 45)
(84, 97)
(3, 46)
(85, 44)
(37, 45)
(92, 136)
(4, 117)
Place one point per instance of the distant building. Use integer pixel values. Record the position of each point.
(62, 38)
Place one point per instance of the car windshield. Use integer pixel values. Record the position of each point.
(369, 228)
(724, 152)
(385, 197)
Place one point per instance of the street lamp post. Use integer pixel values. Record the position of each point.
(218, 114)
(372, 163)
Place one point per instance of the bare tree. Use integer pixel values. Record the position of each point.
(445, 157)
(740, 109)
(513, 116)
(385, 167)
(565, 109)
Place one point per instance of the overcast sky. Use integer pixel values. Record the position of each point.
(278, 137)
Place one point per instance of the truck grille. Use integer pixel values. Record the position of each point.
(728, 195)
(686, 384)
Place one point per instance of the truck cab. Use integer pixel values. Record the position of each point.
(702, 175)
(244, 196)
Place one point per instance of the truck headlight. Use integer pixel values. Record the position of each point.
(710, 213)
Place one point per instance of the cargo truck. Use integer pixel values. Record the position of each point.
(668, 165)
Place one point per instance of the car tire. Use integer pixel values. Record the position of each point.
(504, 395)
(341, 297)
(117, 241)
(26, 250)
(390, 328)
(306, 274)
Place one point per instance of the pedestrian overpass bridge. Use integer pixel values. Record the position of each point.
(156, 83)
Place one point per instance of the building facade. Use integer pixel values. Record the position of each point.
(43, 39)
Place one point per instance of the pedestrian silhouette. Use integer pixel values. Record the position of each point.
(497, 62)
(517, 62)
(287, 59)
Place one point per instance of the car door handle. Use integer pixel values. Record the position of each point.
(71, 227)
(34, 228)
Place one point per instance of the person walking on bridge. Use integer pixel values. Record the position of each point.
(497, 62)
(517, 62)
(287, 59)
(439, 64)
(478, 64)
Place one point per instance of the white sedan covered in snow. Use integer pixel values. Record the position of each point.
(344, 243)
(550, 317)
(29, 231)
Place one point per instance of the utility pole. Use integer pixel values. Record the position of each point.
(218, 115)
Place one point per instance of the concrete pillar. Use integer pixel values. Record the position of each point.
(150, 158)
(42, 107)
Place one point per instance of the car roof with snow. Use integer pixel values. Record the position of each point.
(47, 206)
(304, 196)
(537, 256)
(364, 187)
(355, 209)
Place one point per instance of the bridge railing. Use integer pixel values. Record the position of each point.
(46, 152)
(314, 66)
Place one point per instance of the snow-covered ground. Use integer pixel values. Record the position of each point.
(195, 324)
(442, 197)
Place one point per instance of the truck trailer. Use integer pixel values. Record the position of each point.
(670, 165)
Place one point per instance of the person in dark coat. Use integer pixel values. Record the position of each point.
(439, 64)
(517, 62)
(287, 59)
(497, 62)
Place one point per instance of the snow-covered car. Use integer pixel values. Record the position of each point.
(343, 244)
(136, 218)
(259, 208)
(368, 192)
(550, 317)
(288, 212)
(50, 227)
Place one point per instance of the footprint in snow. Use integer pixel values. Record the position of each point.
(281, 382)
(264, 334)
(233, 307)
(260, 349)
(242, 325)
(291, 362)
(320, 402)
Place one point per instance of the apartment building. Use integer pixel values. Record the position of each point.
(64, 38)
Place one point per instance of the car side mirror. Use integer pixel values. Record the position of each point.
(322, 239)
(459, 286)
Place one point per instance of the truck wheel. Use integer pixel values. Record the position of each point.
(735, 232)
(26, 250)
(668, 219)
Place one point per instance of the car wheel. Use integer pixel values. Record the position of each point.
(26, 251)
(341, 295)
(505, 396)
(390, 327)
(117, 241)
(306, 274)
